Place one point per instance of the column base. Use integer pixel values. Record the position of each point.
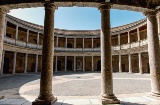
(155, 94)
(44, 102)
(109, 100)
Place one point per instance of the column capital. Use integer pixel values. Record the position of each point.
(104, 6)
(4, 9)
(51, 6)
(150, 13)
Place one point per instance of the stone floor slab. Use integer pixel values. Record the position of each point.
(135, 99)
(77, 101)
(95, 102)
(14, 101)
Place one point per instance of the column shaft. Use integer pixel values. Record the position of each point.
(119, 39)
(57, 42)
(107, 95)
(66, 42)
(17, 32)
(153, 52)
(74, 63)
(120, 68)
(83, 42)
(2, 28)
(38, 39)
(140, 62)
(130, 63)
(3, 55)
(92, 64)
(83, 63)
(65, 63)
(36, 66)
(138, 34)
(74, 42)
(14, 62)
(129, 37)
(56, 64)
(92, 43)
(46, 97)
(26, 63)
(27, 36)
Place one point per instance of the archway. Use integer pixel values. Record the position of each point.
(58, 65)
(79, 65)
(6, 65)
(99, 65)
(69, 65)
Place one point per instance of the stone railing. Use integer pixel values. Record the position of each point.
(62, 49)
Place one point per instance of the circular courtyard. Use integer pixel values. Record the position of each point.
(73, 84)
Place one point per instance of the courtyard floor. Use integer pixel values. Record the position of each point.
(77, 88)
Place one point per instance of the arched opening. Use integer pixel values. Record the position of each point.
(79, 65)
(6, 66)
(99, 65)
(69, 65)
(69, 45)
(58, 65)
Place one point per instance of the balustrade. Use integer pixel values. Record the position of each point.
(62, 49)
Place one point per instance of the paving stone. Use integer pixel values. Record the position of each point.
(14, 101)
(77, 101)
(135, 99)
(95, 102)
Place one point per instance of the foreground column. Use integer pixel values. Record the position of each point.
(46, 97)
(2, 27)
(107, 95)
(153, 52)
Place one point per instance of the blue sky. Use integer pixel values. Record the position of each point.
(77, 18)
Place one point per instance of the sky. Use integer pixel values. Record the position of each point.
(77, 18)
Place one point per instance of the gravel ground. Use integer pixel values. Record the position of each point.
(75, 83)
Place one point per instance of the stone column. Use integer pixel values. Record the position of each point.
(92, 43)
(14, 62)
(92, 64)
(140, 62)
(26, 63)
(129, 37)
(74, 63)
(120, 68)
(83, 42)
(83, 63)
(138, 35)
(38, 38)
(66, 42)
(27, 35)
(5, 30)
(3, 55)
(107, 95)
(119, 39)
(3, 12)
(130, 63)
(16, 32)
(57, 42)
(56, 64)
(153, 52)
(65, 63)
(74, 42)
(158, 19)
(36, 67)
(46, 97)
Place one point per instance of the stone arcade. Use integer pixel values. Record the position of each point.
(107, 95)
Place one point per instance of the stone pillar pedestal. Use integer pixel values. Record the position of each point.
(107, 95)
(3, 12)
(153, 52)
(46, 97)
